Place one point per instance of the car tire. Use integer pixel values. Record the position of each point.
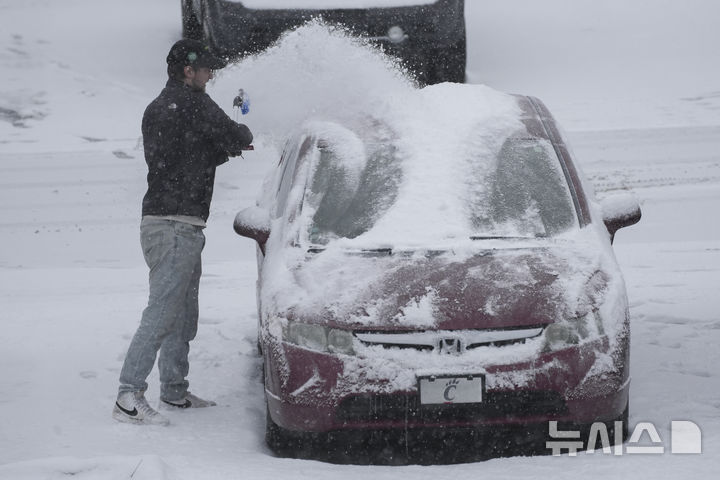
(281, 441)
(610, 425)
(191, 27)
(624, 418)
(275, 437)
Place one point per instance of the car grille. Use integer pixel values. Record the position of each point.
(407, 407)
(449, 341)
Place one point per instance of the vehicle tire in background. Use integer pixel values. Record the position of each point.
(448, 65)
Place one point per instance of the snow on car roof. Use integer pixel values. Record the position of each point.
(457, 161)
(329, 4)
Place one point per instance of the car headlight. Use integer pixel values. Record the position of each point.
(317, 337)
(571, 332)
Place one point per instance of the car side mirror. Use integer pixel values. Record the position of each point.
(618, 211)
(254, 223)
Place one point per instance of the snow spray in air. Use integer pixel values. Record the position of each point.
(316, 70)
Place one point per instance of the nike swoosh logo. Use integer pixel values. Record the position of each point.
(131, 413)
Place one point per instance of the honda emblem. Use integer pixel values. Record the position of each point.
(452, 346)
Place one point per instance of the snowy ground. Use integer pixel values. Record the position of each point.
(636, 85)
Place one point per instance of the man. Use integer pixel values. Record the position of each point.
(185, 136)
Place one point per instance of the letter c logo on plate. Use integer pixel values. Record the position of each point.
(450, 387)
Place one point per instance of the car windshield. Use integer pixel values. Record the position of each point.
(347, 197)
(525, 194)
(507, 187)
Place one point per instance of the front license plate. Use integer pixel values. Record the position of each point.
(451, 389)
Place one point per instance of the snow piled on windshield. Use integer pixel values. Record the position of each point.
(344, 144)
(443, 131)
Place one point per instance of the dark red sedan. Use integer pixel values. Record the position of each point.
(409, 282)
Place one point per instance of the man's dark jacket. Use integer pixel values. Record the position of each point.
(185, 136)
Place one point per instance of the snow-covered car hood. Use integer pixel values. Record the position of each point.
(490, 288)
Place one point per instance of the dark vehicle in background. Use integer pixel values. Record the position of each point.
(379, 311)
(427, 35)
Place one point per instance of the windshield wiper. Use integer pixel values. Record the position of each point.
(377, 251)
(505, 237)
(363, 251)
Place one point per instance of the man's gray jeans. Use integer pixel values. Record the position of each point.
(172, 251)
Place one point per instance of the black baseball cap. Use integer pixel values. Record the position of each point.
(193, 53)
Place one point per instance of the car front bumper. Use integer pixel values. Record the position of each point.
(310, 391)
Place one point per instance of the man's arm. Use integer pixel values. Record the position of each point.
(228, 135)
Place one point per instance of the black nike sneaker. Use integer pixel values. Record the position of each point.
(131, 407)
